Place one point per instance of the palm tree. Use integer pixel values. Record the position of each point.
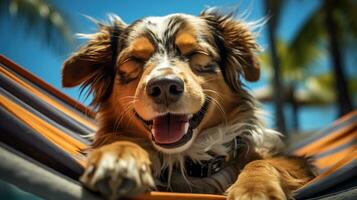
(273, 8)
(295, 69)
(321, 87)
(334, 23)
(42, 18)
(332, 10)
(314, 89)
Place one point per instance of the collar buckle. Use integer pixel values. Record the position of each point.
(204, 168)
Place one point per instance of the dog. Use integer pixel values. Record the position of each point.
(174, 114)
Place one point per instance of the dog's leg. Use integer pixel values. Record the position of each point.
(118, 169)
(274, 178)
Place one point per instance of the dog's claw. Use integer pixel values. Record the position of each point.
(103, 186)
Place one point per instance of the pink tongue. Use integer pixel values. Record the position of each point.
(169, 128)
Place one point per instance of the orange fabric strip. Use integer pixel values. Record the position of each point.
(351, 135)
(323, 143)
(49, 100)
(56, 136)
(337, 165)
(334, 158)
(178, 196)
(31, 77)
(345, 117)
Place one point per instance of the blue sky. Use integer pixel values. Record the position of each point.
(20, 46)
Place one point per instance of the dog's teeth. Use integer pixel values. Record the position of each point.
(186, 127)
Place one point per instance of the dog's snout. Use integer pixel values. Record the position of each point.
(165, 89)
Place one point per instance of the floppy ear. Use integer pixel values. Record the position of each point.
(93, 64)
(237, 47)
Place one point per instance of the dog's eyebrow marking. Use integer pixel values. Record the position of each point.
(186, 42)
(142, 48)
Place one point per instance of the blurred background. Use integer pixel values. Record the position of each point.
(309, 60)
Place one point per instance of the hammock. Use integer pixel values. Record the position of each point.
(41, 133)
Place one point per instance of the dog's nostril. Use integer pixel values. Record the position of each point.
(175, 90)
(155, 92)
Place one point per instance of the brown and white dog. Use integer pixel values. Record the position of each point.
(173, 113)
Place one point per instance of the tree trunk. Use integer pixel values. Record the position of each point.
(294, 106)
(277, 83)
(342, 93)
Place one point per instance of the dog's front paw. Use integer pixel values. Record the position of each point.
(119, 169)
(256, 191)
(258, 180)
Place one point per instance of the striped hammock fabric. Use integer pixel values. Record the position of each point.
(42, 129)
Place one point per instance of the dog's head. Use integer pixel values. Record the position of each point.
(166, 78)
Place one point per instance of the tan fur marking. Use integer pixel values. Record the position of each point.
(186, 42)
(142, 48)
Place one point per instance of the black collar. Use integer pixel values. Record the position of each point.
(204, 168)
(210, 167)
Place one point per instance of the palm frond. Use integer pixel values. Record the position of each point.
(42, 19)
(322, 85)
(291, 69)
(306, 44)
(346, 19)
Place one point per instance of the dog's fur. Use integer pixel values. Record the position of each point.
(211, 53)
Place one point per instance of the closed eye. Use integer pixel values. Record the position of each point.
(201, 62)
(132, 58)
(209, 68)
(196, 52)
(130, 69)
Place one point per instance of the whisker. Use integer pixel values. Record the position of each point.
(211, 79)
(127, 97)
(216, 101)
(219, 106)
(130, 105)
(127, 107)
(215, 92)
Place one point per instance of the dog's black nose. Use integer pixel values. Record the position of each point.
(165, 89)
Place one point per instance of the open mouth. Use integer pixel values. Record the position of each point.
(174, 130)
